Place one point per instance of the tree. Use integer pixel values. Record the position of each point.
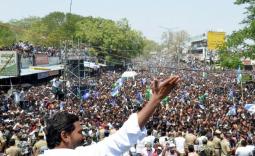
(116, 39)
(236, 44)
(7, 36)
(175, 42)
(150, 46)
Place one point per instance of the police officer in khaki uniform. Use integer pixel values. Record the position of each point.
(2, 144)
(190, 139)
(13, 150)
(216, 142)
(210, 143)
(40, 145)
(205, 149)
(225, 145)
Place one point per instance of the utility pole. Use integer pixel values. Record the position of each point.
(169, 30)
(71, 3)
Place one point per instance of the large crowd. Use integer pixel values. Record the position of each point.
(205, 115)
(27, 49)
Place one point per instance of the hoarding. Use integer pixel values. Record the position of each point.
(9, 63)
(41, 59)
(215, 39)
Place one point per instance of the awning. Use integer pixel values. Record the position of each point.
(128, 74)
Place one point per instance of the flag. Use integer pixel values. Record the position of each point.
(250, 108)
(139, 97)
(86, 95)
(238, 75)
(148, 93)
(61, 105)
(201, 106)
(143, 81)
(204, 75)
(81, 109)
(115, 92)
(118, 83)
(165, 100)
(202, 98)
(112, 102)
(230, 94)
(116, 86)
(96, 94)
(232, 111)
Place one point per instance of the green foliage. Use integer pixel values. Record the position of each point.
(113, 41)
(150, 46)
(250, 10)
(110, 38)
(7, 36)
(230, 60)
(236, 46)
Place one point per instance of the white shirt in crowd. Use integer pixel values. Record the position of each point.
(180, 142)
(115, 144)
(16, 97)
(56, 83)
(149, 139)
(243, 151)
(147, 152)
(200, 141)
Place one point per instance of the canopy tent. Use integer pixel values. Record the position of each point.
(128, 74)
(91, 65)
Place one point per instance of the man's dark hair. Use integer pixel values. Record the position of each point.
(61, 121)
(191, 148)
(12, 142)
(249, 142)
(243, 143)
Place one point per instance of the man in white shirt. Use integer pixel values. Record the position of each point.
(149, 138)
(180, 142)
(64, 132)
(56, 87)
(243, 150)
(250, 147)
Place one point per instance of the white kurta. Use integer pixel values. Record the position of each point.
(114, 145)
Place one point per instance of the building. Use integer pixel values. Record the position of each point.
(205, 47)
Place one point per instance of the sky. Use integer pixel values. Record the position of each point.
(151, 17)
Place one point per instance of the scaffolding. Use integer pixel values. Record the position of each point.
(74, 72)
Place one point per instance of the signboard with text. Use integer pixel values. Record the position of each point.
(41, 59)
(215, 39)
(9, 63)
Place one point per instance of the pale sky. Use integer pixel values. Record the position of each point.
(148, 16)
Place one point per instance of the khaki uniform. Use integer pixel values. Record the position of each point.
(2, 144)
(217, 147)
(13, 151)
(101, 134)
(210, 144)
(189, 140)
(225, 147)
(207, 150)
(38, 147)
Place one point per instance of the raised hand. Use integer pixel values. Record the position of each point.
(162, 89)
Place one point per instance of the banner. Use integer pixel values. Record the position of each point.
(42, 75)
(52, 73)
(9, 63)
(215, 39)
(41, 59)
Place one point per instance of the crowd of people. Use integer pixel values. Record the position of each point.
(27, 49)
(205, 115)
